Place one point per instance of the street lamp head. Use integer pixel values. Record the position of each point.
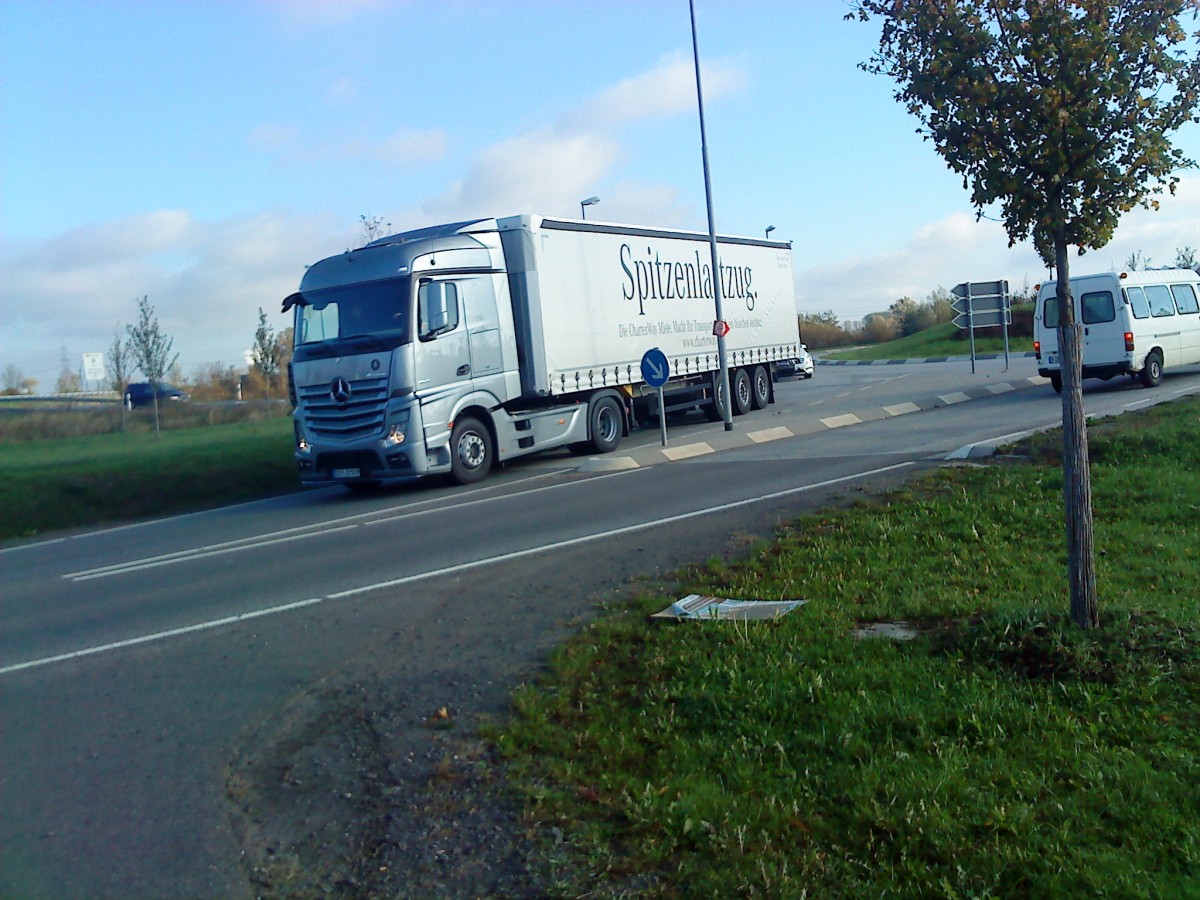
(770, 228)
(584, 204)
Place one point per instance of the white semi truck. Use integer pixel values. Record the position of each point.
(456, 347)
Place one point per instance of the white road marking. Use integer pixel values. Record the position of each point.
(424, 576)
(841, 421)
(303, 532)
(778, 433)
(956, 397)
(687, 451)
(900, 409)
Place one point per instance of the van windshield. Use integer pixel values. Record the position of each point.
(370, 315)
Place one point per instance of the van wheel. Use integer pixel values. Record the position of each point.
(605, 425)
(761, 379)
(471, 451)
(1152, 370)
(743, 392)
(1056, 382)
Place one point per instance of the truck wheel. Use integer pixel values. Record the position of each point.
(762, 387)
(605, 425)
(743, 392)
(471, 451)
(1056, 382)
(714, 410)
(1152, 370)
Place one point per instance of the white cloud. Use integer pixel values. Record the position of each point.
(342, 91)
(548, 170)
(958, 248)
(536, 171)
(667, 90)
(206, 281)
(402, 148)
(324, 13)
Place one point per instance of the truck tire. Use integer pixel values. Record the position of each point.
(471, 451)
(761, 378)
(714, 410)
(606, 425)
(1152, 370)
(743, 392)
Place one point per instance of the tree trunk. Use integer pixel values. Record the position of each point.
(1077, 476)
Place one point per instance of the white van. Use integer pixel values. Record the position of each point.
(1134, 323)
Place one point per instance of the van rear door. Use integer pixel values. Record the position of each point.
(1100, 311)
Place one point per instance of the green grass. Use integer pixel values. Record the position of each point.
(71, 482)
(1002, 753)
(939, 340)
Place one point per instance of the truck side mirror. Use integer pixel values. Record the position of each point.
(434, 308)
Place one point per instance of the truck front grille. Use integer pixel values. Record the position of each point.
(362, 415)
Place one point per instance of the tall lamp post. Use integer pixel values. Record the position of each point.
(723, 386)
(584, 204)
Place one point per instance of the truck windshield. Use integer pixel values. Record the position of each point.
(371, 315)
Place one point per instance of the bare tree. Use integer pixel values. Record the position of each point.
(1137, 261)
(1185, 258)
(120, 366)
(14, 379)
(373, 228)
(151, 350)
(265, 355)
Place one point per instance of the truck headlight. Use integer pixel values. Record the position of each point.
(395, 435)
(302, 444)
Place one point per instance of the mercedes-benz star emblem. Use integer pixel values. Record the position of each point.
(339, 391)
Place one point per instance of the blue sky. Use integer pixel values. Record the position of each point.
(202, 153)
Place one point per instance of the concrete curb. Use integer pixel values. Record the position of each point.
(716, 441)
(926, 359)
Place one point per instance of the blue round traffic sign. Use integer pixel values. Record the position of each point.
(655, 368)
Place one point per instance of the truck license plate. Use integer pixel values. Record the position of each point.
(346, 473)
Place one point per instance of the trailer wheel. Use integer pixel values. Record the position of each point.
(605, 425)
(1056, 382)
(762, 387)
(471, 451)
(1152, 370)
(714, 410)
(743, 392)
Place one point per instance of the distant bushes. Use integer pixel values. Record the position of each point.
(822, 331)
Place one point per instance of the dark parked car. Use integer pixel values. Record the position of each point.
(142, 394)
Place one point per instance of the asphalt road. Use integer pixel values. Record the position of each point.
(135, 661)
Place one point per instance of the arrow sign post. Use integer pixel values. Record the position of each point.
(655, 372)
(982, 304)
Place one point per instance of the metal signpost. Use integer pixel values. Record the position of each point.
(982, 304)
(655, 372)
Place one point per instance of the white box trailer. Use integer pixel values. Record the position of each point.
(1134, 323)
(452, 348)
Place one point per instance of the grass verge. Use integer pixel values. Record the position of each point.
(1002, 752)
(72, 482)
(939, 340)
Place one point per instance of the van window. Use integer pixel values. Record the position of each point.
(1050, 316)
(1098, 307)
(1185, 298)
(1138, 302)
(1161, 303)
